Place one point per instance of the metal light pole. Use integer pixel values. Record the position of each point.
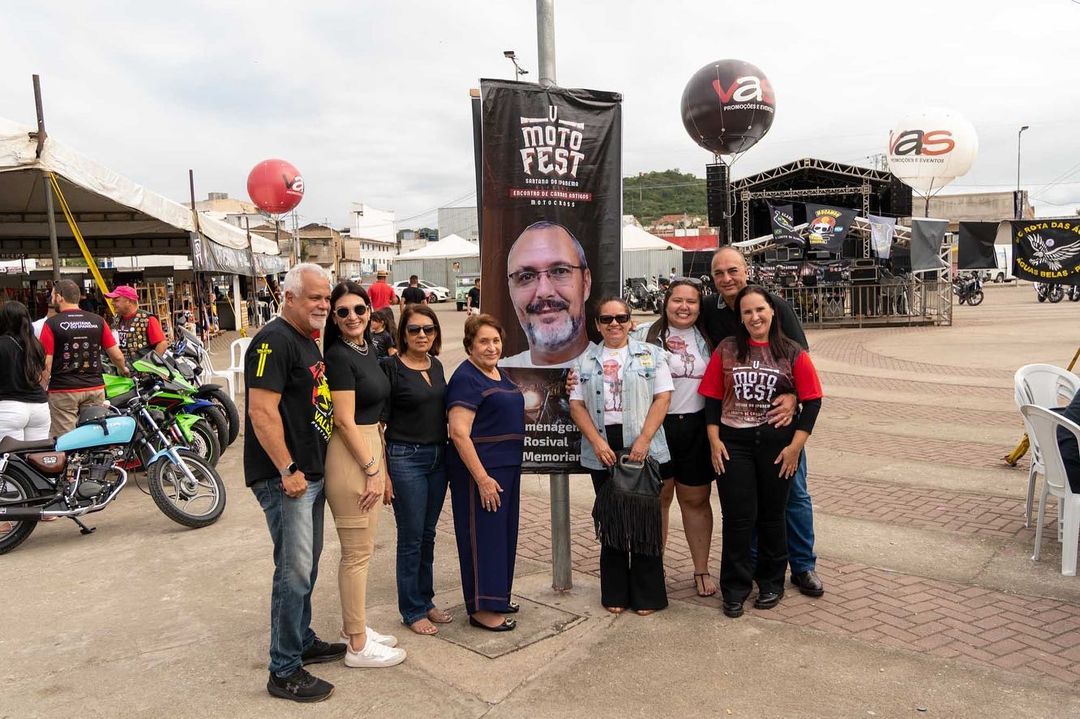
(518, 70)
(1019, 197)
(561, 575)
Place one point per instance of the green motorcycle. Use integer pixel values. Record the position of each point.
(191, 421)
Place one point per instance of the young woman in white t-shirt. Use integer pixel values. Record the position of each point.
(680, 330)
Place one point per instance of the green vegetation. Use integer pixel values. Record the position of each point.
(652, 195)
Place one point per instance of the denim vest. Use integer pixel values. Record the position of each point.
(637, 396)
(641, 331)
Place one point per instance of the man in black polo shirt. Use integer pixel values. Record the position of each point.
(413, 294)
(472, 299)
(721, 321)
(74, 340)
(289, 422)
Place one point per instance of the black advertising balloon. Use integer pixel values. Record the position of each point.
(728, 106)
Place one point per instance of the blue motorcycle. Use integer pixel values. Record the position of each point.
(83, 471)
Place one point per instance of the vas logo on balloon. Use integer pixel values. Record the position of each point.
(920, 146)
(746, 93)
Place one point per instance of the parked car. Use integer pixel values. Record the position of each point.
(442, 294)
(400, 286)
(461, 289)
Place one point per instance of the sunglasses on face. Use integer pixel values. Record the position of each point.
(608, 319)
(417, 329)
(343, 312)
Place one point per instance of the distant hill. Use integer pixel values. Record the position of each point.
(652, 195)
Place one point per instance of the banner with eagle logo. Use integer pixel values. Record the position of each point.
(1047, 251)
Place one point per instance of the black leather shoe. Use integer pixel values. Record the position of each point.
(503, 626)
(768, 600)
(809, 583)
(733, 609)
(511, 608)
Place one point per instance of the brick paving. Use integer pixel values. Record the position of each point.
(889, 444)
(847, 346)
(905, 387)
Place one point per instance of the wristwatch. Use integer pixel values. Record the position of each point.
(290, 469)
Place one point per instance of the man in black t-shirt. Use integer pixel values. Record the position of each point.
(413, 294)
(472, 298)
(722, 320)
(289, 422)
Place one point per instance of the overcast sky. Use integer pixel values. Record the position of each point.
(370, 99)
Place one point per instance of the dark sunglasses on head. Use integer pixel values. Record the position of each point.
(343, 312)
(417, 329)
(608, 319)
(687, 280)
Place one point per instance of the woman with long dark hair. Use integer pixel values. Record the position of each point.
(753, 459)
(680, 330)
(356, 477)
(24, 406)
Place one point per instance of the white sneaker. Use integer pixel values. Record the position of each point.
(387, 640)
(374, 655)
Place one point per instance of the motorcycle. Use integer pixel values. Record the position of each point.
(189, 358)
(637, 295)
(1053, 293)
(1073, 293)
(969, 290)
(83, 471)
(195, 423)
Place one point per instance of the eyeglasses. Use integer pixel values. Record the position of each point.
(417, 329)
(558, 275)
(359, 311)
(608, 319)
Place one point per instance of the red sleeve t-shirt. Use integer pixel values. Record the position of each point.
(154, 333)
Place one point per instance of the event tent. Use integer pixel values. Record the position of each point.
(115, 215)
(450, 246)
(441, 262)
(646, 255)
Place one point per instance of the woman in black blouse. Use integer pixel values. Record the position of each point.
(356, 477)
(416, 453)
(24, 406)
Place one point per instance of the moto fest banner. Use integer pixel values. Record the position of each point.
(1047, 251)
(551, 218)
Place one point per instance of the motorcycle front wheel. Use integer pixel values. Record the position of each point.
(1056, 294)
(975, 298)
(14, 488)
(225, 403)
(195, 502)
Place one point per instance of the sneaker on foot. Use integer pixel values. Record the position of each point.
(387, 640)
(374, 655)
(300, 686)
(321, 651)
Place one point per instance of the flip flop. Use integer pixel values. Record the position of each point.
(441, 616)
(423, 631)
(700, 585)
(616, 610)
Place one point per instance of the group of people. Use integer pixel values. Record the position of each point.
(57, 360)
(342, 427)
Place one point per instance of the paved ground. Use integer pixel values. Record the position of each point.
(933, 606)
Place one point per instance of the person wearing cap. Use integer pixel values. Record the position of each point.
(382, 295)
(137, 331)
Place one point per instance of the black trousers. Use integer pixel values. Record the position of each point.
(628, 579)
(752, 494)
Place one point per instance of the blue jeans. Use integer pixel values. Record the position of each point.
(296, 528)
(418, 473)
(800, 524)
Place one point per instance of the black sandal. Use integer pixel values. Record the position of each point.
(504, 626)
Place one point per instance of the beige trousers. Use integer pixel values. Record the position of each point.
(345, 482)
(65, 408)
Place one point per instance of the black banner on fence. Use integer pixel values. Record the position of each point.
(551, 243)
(976, 246)
(826, 227)
(782, 218)
(1047, 251)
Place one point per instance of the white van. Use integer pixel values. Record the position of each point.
(1003, 273)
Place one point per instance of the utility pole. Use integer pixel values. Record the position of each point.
(561, 574)
(40, 136)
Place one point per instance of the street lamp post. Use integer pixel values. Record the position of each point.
(518, 70)
(1019, 197)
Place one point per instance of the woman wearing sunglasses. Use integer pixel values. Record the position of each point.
(416, 451)
(681, 331)
(619, 403)
(487, 431)
(356, 478)
(754, 459)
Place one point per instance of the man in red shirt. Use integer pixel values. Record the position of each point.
(381, 294)
(137, 331)
(74, 340)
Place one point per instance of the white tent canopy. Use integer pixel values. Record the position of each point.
(115, 215)
(446, 247)
(634, 239)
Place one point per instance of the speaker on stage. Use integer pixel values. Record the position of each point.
(717, 195)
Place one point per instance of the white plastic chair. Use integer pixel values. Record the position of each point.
(234, 373)
(1044, 424)
(1043, 385)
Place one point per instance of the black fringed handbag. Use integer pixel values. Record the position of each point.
(627, 508)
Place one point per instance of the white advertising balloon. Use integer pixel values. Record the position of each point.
(931, 148)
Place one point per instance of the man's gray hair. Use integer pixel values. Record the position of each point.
(294, 278)
(546, 224)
